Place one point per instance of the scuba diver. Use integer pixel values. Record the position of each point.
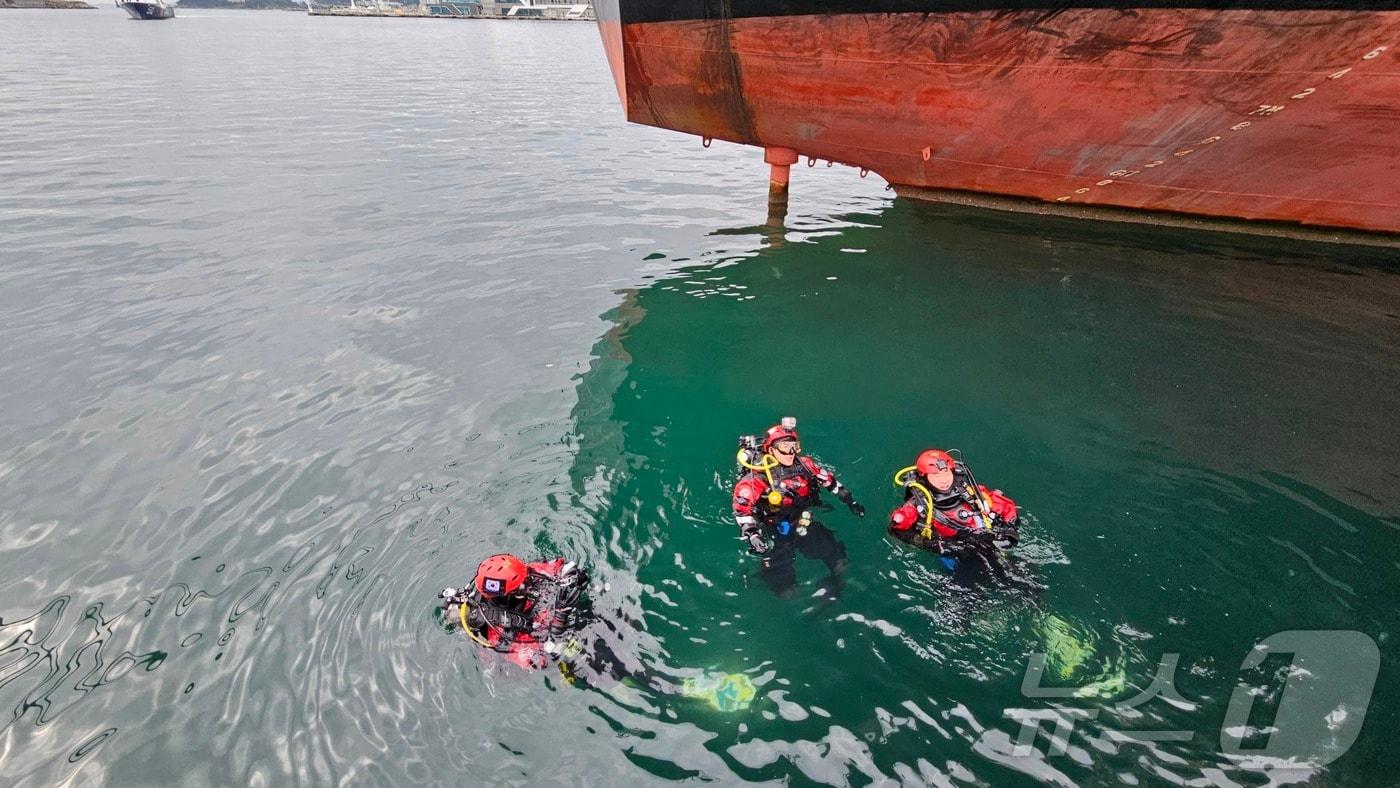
(772, 506)
(534, 615)
(524, 611)
(946, 510)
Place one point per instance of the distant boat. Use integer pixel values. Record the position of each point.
(147, 9)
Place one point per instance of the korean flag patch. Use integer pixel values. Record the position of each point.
(491, 585)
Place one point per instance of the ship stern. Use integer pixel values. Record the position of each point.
(610, 28)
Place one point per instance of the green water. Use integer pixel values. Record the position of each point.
(1200, 448)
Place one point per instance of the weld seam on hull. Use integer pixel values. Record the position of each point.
(1323, 72)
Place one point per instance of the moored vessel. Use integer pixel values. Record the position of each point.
(1279, 113)
(147, 9)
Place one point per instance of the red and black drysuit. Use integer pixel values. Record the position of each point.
(519, 625)
(956, 523)
(776, 525)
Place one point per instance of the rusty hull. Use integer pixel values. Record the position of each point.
(1281, 116)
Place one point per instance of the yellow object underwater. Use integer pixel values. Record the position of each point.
(1069, 652)
(731, 692)
(566, 666)
(1065, 652)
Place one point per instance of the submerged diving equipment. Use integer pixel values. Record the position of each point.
(732, 692)
(802, 523)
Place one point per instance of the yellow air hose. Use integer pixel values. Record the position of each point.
(471, 633)
(900, 481)
(765, 466)
(565, 669)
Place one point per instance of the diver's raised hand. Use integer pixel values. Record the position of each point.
(757, 544)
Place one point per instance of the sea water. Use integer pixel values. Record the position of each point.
(303, 317)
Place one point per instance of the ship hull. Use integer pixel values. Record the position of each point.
(139, 10)
(1281, 114)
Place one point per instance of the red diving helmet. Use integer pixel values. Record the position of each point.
(785, 431)
(500, 575)
(934, 461)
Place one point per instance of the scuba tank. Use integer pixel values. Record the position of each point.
(570, 583)
(750, 453)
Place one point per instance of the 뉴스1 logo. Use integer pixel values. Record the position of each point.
(1328, 680)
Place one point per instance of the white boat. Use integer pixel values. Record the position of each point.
(147, 9)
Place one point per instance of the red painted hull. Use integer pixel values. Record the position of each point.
(1283, 115)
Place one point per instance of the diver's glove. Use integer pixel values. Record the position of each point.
(757, 544)
(1005, 537)
(856, 508)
